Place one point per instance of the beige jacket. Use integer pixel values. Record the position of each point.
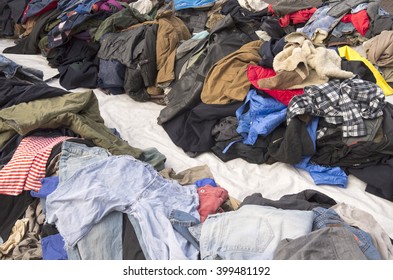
(302, 64)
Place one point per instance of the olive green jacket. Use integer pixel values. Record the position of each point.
(78, 112)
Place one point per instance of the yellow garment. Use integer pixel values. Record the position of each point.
(351, 54)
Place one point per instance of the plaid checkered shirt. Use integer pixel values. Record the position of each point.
(345, 102)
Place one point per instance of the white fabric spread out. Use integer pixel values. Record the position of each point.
(137, 124)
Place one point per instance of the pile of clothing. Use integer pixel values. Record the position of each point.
(267, 83)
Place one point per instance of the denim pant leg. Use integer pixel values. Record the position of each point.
(181, 222)
(104, 239)
(103, 242)
(163, 197)
(122, 183)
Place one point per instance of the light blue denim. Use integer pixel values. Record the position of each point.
(75, 156)
(319, 20)
(329, 218)
(343, 29)
(181, 221)
(9, 68)
(125, 184)
(104, 240)
(251, 233)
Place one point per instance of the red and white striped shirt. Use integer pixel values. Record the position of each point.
(28, 164)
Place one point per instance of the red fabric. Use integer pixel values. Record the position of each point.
(359, 20)
(301, 16)
(28, 165)
(255, 73)
(270, 9)
(210, 200)
(347, 18)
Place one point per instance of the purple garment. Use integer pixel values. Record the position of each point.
(106, 5)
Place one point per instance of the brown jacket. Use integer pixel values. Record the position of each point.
(171, 32)
(227, 80)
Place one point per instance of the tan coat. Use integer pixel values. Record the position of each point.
(379, 49)
(227, 80)
(171, 32)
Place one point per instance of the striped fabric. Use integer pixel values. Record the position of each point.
(28, 165)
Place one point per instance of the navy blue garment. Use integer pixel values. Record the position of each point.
(269, 50)
(111, 76)
(14, 91)
(86, 6)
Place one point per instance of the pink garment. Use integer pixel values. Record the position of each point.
(106, 5)
(210, 200)
(255, 73)
(28, 165)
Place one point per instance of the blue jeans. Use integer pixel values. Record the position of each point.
(75, 156)
(104, 240)
(252, 232)
(328, 217)
(181, 221)
(124, 184)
